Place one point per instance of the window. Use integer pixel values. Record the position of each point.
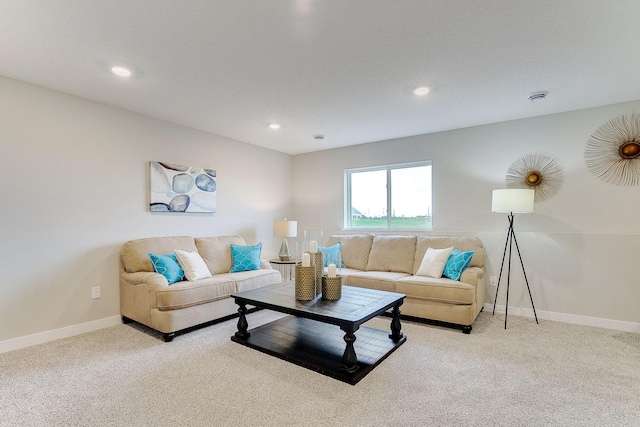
(396, 196)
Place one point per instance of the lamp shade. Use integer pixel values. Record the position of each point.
(512, 200)
(285, 228)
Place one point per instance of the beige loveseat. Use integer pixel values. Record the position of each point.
(390, 263)
(147, 298)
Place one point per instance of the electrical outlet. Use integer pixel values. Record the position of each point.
(493, 281)
(95, 292)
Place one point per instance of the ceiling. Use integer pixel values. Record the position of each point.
(344, 69)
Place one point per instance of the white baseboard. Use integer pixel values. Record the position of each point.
(56, 334)
(619, 325)
(70, 331)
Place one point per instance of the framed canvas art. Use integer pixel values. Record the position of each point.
(177, 188)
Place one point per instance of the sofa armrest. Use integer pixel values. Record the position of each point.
(472, 275)
(154, 281)
(265, 264)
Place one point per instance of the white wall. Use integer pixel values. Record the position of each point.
(74, 187)
(579, 247)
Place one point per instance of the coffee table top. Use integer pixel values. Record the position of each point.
(356, 306)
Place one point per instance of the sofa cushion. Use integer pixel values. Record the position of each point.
(456, 264)
(442, 290)
(245, 258)
(440, 242)
(247, 280)
(380, 280)
(392, 253)
(168, 266)
(186, 294)
(331, 255)
(135, 253)
(433, 262)
(193, 265)
(216, 252)
(355, 249)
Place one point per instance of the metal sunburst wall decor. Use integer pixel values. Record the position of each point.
(536, 171)
(613, 151)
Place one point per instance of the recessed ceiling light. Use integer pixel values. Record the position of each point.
(421, 90)
(318, 136)
(274, 125)
(121, 71)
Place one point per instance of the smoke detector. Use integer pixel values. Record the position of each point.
(538, 96)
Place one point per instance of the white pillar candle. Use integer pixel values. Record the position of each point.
(332, 270)
(306, 260)
(313, 246)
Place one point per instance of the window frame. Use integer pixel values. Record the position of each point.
(347, 224)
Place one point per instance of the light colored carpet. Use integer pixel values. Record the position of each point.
(552, 374)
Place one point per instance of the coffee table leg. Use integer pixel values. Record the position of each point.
(242, 321)
(349, 358)
(395, 334)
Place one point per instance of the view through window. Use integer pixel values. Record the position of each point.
(395, 196)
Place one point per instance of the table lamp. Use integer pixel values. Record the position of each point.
(284, 229)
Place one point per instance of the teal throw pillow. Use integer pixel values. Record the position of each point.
(168, 266)
(245, 258)
(331, 255)
(456, 264)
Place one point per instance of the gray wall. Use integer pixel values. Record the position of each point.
(579, 247)
(75, 187)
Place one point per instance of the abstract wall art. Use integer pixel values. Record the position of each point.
(536, 171)
(613, 151)
(177, 188)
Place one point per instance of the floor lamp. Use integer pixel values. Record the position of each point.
(512, 201)
(285, 229)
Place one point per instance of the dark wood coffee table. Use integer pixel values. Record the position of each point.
(309, 337)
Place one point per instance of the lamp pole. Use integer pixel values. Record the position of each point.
(511, 238)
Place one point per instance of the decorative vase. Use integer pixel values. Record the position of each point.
(313, 239)
(305, 283)
(317, 260)
(331, 288)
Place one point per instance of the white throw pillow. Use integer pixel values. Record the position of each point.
(433, 262)
(193, 265)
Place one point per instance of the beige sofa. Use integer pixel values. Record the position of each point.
(147, 298)
(390, 263)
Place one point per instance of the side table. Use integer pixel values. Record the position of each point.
(286, 268)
